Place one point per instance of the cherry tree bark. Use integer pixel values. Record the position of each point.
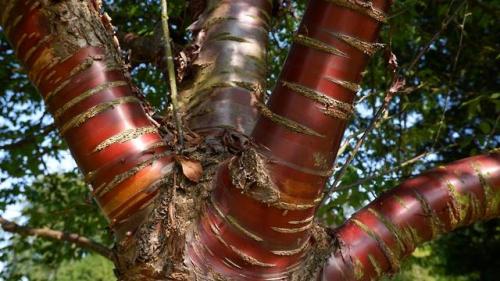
(230, 69)
(250, 215)
(69, 53)
(259, 223)
(375, 240)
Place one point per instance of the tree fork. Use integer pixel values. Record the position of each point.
(259, 224)
(72, 58)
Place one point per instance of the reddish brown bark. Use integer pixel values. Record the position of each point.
(70, 57)
(230, 68)
(375, 240)
(258, 224)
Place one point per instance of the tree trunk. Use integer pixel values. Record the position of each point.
(250, 216)
(259, 223)
(71, 57)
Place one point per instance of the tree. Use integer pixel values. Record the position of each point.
(235, 195)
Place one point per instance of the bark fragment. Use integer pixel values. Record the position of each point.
(364, 7)
(318, 45)
(249, 173)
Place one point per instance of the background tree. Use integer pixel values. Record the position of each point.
(454, 76)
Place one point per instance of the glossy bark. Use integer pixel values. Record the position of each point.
(258, 223)
(70, 56)
(230, 68)
(375, 240)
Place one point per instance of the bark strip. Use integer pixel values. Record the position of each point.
(365, 7)
(318, 45)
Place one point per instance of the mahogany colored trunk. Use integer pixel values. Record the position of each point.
(258, 223)
(70, 58)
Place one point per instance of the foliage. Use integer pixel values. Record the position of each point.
(57, 201)
(90, 268)
(449, 109)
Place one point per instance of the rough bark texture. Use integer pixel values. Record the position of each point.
(251, 215)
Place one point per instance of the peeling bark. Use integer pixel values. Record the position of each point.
(72, 58)
(282, 180)
(248, 213)
(230, 69)
(375, 240)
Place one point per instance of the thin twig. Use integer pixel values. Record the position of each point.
(397, 83)
(444, 25)
(359, 143)
(385, 172)
(56, 235)
(450, 80)
(492, 133)
(460, 42)
(393, 169)
(171, 70)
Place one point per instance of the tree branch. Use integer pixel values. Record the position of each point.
(230, 68)
(86, 86)
(30, 138)
(375, 239)
(171, 71)
(143, 49)
(73, 238)
(149, 49)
